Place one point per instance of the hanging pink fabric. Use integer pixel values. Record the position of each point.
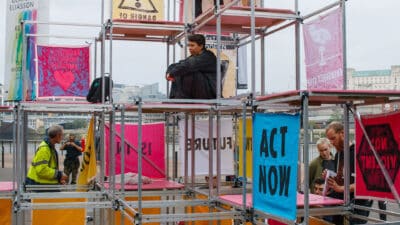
(324, 51)
(153, 146)
(63, 71)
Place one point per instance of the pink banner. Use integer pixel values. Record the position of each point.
(383, 131)
(63, 71)
(152, 148)
(324, 51)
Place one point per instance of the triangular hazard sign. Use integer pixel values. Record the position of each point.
(138, 5)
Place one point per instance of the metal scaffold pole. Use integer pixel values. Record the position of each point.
(253, 47)
(297, 45)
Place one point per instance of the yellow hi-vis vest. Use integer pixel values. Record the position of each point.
(44, 167)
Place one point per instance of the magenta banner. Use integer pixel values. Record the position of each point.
(152, 148)
(63, 71)
(324, 51)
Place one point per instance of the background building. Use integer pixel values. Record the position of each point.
(374, 79)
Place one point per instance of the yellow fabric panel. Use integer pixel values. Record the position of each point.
(88, 168)
(5, 211)
(58, 216)
(249, 147)
(145, 210)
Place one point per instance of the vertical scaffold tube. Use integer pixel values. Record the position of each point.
(244, 146)
(210, 156)
(140, 159)
(306, 158)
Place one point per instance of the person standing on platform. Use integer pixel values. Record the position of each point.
(194, 77)
(44, 166)
(71, 161)
(320, 163)
(335, 133)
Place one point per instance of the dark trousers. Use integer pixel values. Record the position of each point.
(71, 167)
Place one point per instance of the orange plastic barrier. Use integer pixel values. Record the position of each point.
(58, 216)
(5, 211)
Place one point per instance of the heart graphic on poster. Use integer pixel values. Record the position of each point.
(64, 79)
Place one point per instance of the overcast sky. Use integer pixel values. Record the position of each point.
(372, 41)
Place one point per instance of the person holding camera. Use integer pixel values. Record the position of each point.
(71, 161)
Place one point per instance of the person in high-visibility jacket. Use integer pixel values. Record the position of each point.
(44, 167)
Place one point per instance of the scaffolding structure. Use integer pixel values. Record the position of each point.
(177, 202)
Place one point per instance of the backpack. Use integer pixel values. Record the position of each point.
(95, 93)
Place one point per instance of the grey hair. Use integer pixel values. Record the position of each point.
(54, 130)
(323, 141)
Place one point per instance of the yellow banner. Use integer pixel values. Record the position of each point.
(88, 166)
(249, 148)
(147, 10)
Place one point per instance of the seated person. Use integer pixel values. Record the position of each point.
(195, 76)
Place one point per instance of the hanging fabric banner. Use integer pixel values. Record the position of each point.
(153, 149)
(275, 151)
(249, 148)
(17, 87)
(202, 146)
(146, 10)
(383, 130)
(63, 71)
(228, 62)
(88, 168)
(324, 51)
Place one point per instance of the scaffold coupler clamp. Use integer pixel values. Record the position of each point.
(138, 218)
(249, 100)
(137, 100)
(248, 215)
(16, 204)
(116, 205)
(108, 24)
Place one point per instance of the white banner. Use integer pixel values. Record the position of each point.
(15, 88)
(242, 68)
(201, 146)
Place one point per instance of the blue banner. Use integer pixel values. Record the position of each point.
(275, 153)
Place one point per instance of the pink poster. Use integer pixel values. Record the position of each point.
(323, 51)
(383, 131)
(63, 71)
(152, 148)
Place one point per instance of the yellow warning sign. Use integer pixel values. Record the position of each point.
(148, 10)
